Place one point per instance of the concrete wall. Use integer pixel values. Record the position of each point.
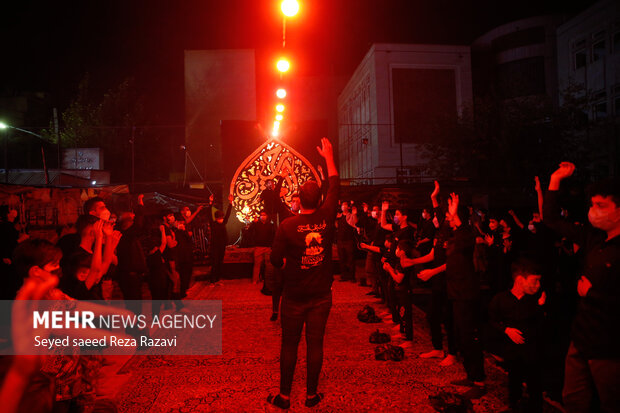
(219, 85)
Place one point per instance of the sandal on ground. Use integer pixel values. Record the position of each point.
(313, 401)
(279, 401)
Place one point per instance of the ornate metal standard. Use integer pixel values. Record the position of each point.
(272, 160)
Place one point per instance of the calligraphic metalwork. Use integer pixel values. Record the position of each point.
(272, 160)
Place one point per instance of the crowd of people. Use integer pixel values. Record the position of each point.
(506, 283)
(511, 286)
(129, 248)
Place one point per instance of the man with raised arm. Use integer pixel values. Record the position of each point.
(593, 360)
(303, 248)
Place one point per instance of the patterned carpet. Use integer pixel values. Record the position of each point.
(248, 369)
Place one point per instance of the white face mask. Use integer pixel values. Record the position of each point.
(374, 214)
(531, 227)
(435, 222)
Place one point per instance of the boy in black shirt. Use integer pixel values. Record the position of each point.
(517, 314)
(303, 248)
(402, 288)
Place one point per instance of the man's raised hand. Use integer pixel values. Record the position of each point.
(453, 204)
(565, 170)
(326, 150)
(436, 190)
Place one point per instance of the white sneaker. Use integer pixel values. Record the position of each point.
(448, 361)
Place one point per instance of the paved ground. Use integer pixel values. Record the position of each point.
(248, 369)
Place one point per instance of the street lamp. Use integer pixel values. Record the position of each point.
(5, 126)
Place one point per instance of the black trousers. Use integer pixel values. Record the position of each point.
(467, 328)
(346, 259)
(217, 259)
(405, 312)
(157, 280)
(529, 370)
(185, 272)
(131, 287)
(441, 313)
(295, 314)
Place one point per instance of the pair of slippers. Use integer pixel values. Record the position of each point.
(285, 404)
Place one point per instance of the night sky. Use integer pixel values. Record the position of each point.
(49, 46)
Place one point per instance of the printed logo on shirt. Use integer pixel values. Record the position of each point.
(313, 227)
(313, 254)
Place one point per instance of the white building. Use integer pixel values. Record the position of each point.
(393, 103)
(589, 57)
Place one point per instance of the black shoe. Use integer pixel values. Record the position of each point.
(371, 293)
(273, 317)
(278, 401)
(265, 291)
(313, 401)
(344, 279)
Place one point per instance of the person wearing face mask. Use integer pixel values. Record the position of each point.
(85, 268)
(70, 243)
(374, 238)
(400, 226)
(425, 233)
(345, 240)
(219, 238)
(592, 368)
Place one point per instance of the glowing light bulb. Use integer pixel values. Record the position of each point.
(281, 93)
(283, 65)
(279, 117)
(290, 7)
(280, 107)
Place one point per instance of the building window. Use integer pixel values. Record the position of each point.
(580, 59)
(598, 50)
(599, 111)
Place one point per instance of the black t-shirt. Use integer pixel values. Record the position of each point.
(407, 232)
(462, 281)
(405, 283)
(305, 241)
(71, 285)
(524, 314)
(262, 233)
(345, 232)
